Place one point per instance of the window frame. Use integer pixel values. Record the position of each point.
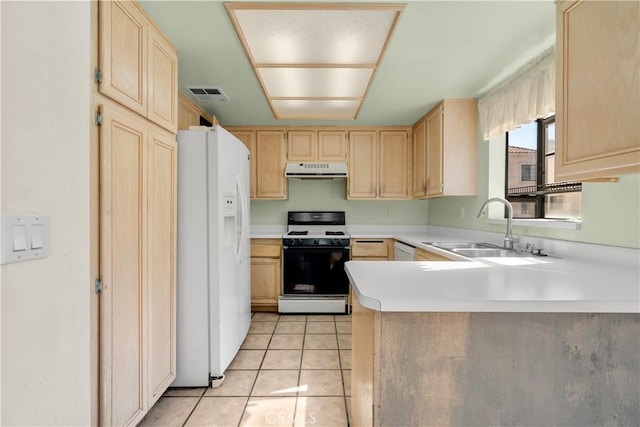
(541, 190)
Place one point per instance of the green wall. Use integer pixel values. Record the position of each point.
(610, 211)
(325, 194)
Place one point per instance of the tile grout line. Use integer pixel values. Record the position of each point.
(246, 404)
(344, 389)
(295, 407)
(194, 407)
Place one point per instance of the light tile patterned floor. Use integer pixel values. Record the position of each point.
(292, 370)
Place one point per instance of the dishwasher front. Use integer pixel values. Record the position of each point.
(403, 252)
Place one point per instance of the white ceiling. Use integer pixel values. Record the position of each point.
(440, 49)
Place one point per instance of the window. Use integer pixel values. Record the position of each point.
(531, 186)
(528, 173)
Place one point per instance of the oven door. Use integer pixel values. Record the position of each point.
(315, 270)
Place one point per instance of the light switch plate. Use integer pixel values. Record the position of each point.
(36, 244)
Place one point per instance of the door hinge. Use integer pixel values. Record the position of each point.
(98, 286)
(98, 118)
(97, 75)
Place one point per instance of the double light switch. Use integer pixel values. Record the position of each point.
(24, 238)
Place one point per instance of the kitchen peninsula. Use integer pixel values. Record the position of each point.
(514, 341)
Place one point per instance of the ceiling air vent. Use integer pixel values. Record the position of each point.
(207, 93)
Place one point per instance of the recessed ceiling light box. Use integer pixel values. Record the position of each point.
(315, 60)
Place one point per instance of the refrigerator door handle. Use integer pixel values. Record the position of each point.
(243, 223)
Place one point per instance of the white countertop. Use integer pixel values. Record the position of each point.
(575, 278)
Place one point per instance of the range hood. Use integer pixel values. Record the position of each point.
(316, 170)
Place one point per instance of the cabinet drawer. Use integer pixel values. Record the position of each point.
(369, 248)
(266, 248)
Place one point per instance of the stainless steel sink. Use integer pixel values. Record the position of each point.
(487, 252)
(476, 249)
(461, 245)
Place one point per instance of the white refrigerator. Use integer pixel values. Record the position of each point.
(214, 264)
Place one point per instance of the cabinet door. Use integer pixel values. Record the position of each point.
(435, 185)
(248, 138)
(163, 81)
(332, 146)
(162, 203)
(423, 255)
(420, 159)
(597, 89)
(302, 146)
(395, 165)
(187, 116)
(362, 182)
(265, 281)
(123, 254)
(271, 159)
(123, 60)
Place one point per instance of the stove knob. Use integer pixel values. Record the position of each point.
(316, 242)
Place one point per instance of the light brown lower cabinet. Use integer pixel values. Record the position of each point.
(424, 255)
(266, 279)
(371, 249)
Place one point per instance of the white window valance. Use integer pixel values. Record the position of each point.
(524, 97)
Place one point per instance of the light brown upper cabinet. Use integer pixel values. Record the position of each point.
(363, 165)
(332, 146)
(312, 145)
(268, 151)
(420, 159)
(435, 180)
(379, 165)
(450, 134)
(139, 65)
(271, 159)
(162, 80)
(395, 165)
(302, 145)
(189, 113)
(597, 89)
(248, 138)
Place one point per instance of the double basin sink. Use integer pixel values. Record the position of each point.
(476, 250)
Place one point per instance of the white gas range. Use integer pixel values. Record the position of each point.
(315, 248)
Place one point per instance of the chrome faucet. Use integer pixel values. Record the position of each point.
(509, 239)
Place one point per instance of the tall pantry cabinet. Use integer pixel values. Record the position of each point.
(137, 114)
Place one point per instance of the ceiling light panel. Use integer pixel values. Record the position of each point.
(317, 109)
(315, 60)
(315, 36)
(316, 82)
